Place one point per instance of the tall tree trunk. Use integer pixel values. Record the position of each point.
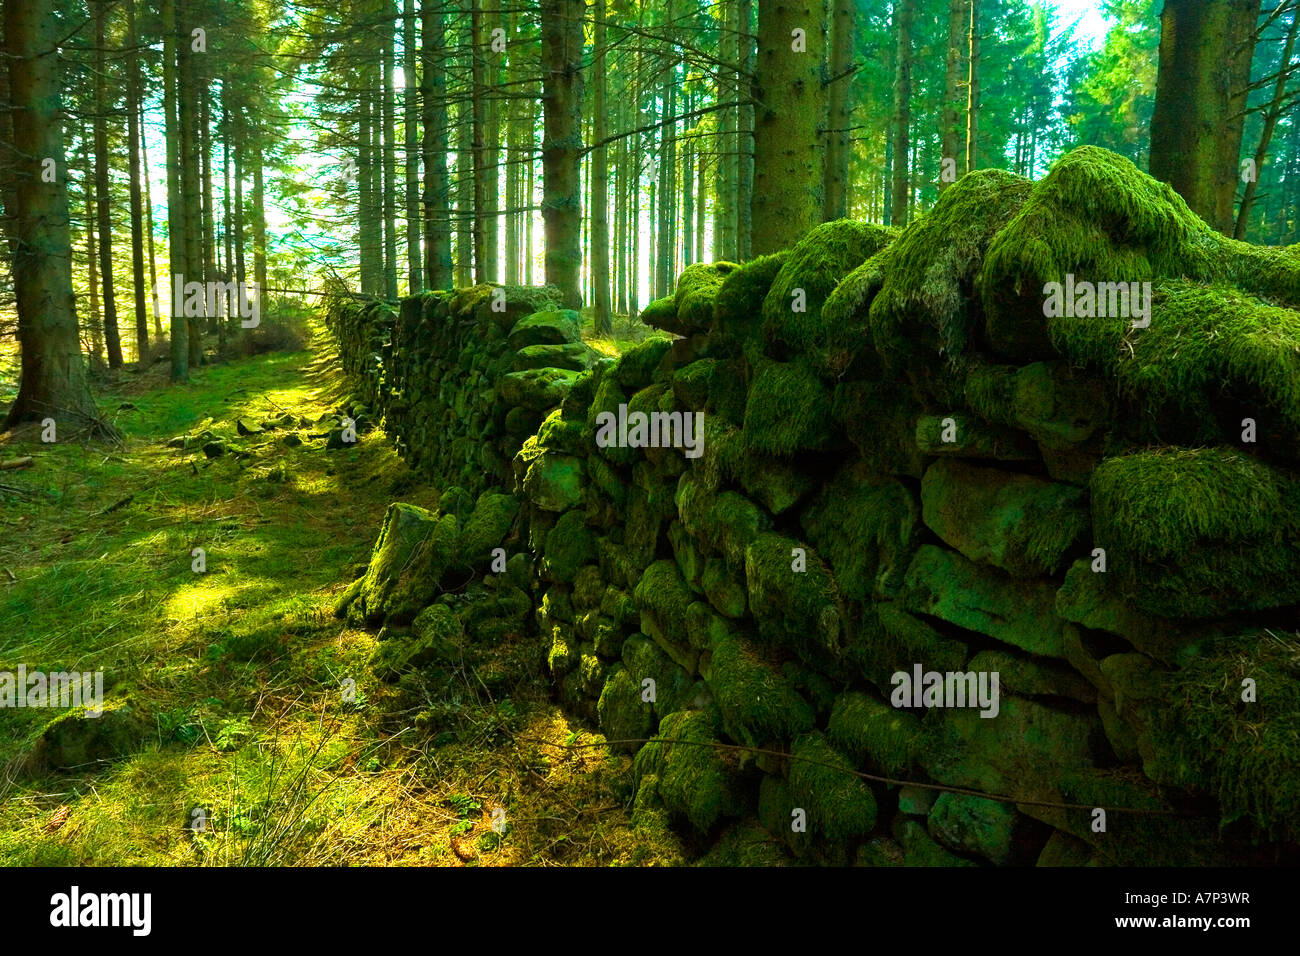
(903, 13)
(53, 382)
(492, 162)
(111, 338)
(835, 175)
(259, 216)
(744, 195)
(1271, 115)
(728, 144)
(96, 317)
(1196, 125)
(133, 97)
(478, 159)
(437, 186)
(790, 101)
(688, 194)
(973, 89)
(410, 154)
(172, 40)
(187, 117)
(953, 147)
(562, 145)
(667, 177)
(226, 220)
(240, 150)
(208, 220)
(389, 101)
(700, 183)
(148, 224)
(599, 169)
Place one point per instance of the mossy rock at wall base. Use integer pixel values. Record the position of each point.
(745, 845)
(1061, 849)
(946, 585)
(406, 528)
(437, 638)
(621, 712)
(921, 849)
(873, 733)
(696, 781)
(1021, 524)
(758, 707)
(814, 266)
(569, 545)
(1059, 406)
(697, 290)
(644, 658)
(489, 523)
(840, 805)
(560, 327)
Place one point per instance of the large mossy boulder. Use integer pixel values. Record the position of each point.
(414, 548)
(697, 290)
(697, 782)
(82, 739)
(561, 327)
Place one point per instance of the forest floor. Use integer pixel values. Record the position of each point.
(234, 676)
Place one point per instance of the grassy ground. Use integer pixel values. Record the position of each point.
(234, 675)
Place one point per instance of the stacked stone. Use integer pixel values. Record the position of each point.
(463, 378)
(907, 462)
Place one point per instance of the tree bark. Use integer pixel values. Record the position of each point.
(602, 320)
(973, 89)
(835, 178)
(410, 155)
(1271, 116)
(437, 187)
(903, 12)
(53, 374)
(562, 145)
(133, 97)
(389, 152)
(953, 147)
(112, 339)
(179, 345)
(790, 104)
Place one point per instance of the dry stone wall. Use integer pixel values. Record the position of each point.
(1030, 567)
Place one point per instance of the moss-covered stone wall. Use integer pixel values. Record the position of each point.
(905, 462)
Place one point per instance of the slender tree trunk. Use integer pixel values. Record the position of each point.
(96, 317)
(259, 216)
(191, 186)
(410, 154)
(478, 109)
(133, 168)
(53, 374)
(208, 220)
(148, 211)
(562, 145)
(744, 141)
(437, 187)
(241, 242)
(172, 39)
(1271, 116)
(111, 338)
(389, 153)
(700, 182)
(835, 177)
(973, 89)
(953, 148)
(227, 232)
(728, 142)
(903, 12)
(688, 194)
(599, 170)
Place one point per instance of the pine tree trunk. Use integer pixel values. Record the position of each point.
(208, 220)
(437, 186)
(112, 340)
(410, 155)
(259, 218)
(728, 148)
(973, 89)
(96, 317)
(835, 177)
(478, 160)
(53, 382)
(148, 213)
(744, 195)
(389, 148)
(602, 320)
(562, 145)
(903, 13)
(953, 148)
(172, 38)
(133, 168)
(187, 118)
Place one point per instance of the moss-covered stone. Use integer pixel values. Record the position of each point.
(758, 707)
(867, 529)
(788, 409)
(536, 389)
(747, 846)
(974, 825)
(559, 327)
(840, 805)
(644, 658)
(1022, 524)
(554, 482)
(792, 308)
(724, 589)
(872, 732)
(662, 314)
(738, 305)
(574, 356)
(489, 523)
(947, 586)
(665, 596)
(74, 740)
(635, 368)
(436, 638)
(569, 546)
(727, 522)
(696, 781)
(1033, 676)
(963, 436)
(920, 849)
(697, 290)
(794, 608)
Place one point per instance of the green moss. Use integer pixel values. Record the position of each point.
(924, 308)
(557, 433)
(758, 707)
(883, 737)
(813, 269)
(911, 639)
(696, 781)
(795, 608)
(437, 637)
(748, 846)
(738, 306)
(635, 368)
(491, 520)
(662, 314)
(562, 655)
(840, 805)
(1246, 754)
(971, 438)
(569, 546)
(697, 289)
(74, 741)
(456, 501)
(846, 314)
(644, 659)
(554, 482)
(1162, 503)
(724, 589)
(788, 409)
(867, 529)
(726, 522)
(920, 849)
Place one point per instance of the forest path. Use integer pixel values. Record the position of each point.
(234, 680)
